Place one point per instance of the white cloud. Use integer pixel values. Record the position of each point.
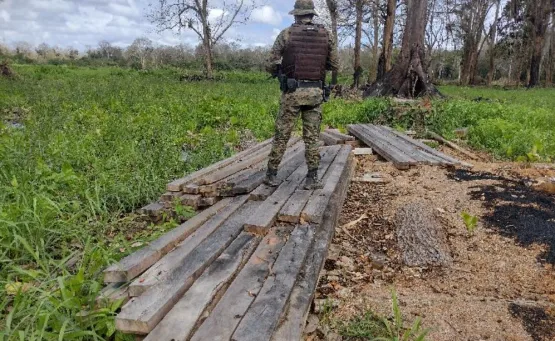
(267, 15)
(5, 16)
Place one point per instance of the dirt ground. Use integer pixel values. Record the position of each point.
(501, 283)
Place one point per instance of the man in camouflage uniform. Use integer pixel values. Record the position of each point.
(304, 51)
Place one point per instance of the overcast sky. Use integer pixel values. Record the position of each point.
(82, 23)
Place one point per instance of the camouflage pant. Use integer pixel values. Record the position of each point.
(305, 101)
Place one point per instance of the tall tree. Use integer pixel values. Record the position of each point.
(334, 14)
(472, 16)
(549, 69)
(408, 77)
(200, 16)
(386, 56)
(492, 37)
(359, 7)
(538, 14)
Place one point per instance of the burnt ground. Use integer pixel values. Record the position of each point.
(501, 284)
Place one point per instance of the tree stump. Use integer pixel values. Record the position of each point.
(421, 237)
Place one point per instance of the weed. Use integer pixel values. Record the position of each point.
(470, 221)
(372, 327)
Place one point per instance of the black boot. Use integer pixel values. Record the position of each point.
(271, 178)
(312, 182)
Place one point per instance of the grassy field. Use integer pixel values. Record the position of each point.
(80, 148)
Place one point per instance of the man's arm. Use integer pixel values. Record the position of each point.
(333, 58)
(275, 56)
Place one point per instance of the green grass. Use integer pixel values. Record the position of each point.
(98, 143)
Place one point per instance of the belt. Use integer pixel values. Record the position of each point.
(310, 84)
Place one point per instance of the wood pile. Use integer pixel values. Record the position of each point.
(240, 174)
(333, 136)
(245, 268)
(400, 149)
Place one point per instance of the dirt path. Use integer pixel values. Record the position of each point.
(501, 284)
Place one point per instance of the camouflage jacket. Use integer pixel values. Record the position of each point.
(275, 57)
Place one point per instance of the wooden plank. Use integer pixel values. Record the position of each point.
(293, 320)
(266, 214)
(180, 322)
(112, 293)
(262, 193)
(249, 161)
(164, 268)
(291, 211)
(336, 133)
(317, 204)
(136, 263)
(226, 315)
(170, 196)
(330, 140)
(153, 209)
(448, 159)
(143, 313)
(262, 318)
(400, 145)
(440, 138)
(190, 200)
(391, 144)
(363, 151)
(400, 161)
(208, 201)
(177, 185)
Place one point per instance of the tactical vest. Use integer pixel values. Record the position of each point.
(306, 53)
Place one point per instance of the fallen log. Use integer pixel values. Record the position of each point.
(450, 144)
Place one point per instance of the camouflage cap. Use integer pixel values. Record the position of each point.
(303, 7)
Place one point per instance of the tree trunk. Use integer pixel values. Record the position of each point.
(207, 42)
(493, 38)
(551, 55)
(408, 78)
(332, 7)
(384, 64)
(358, 42)
(539, 18)
(472, 21)
(375, 49)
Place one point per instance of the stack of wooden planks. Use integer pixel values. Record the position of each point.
(400, 149)
(240, 174)
(333, 136)
(244, 269)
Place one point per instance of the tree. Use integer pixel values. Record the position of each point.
(408, 77)
(472, 16)
(140, 51)
(386, 56)
(492, 37)
(209, 24)
(359, 6)
(551, 55)
(538, 14)
(333, 12)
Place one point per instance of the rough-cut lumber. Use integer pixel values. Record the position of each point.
(143, 313)
(406, 148)
(439, 138)
(224, 318)
(208, 201)
(179, 323)
(170, 196)
(421, 237)
(262, 193)
(398, 159)
(363, 151)
(112, 293)
(319, 201)
(262, 318)
(136, 263)
(248, 162)
(266, 214)
(190, 200)
(339, 135)
(160, 271)
(153, 209)
(293, 321)
(178, 184)
(330, 140)
(291, 211)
